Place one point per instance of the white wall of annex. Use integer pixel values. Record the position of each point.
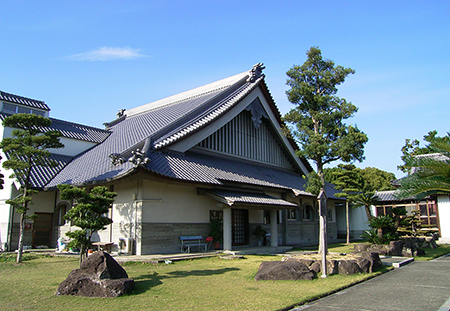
(72, 147)
(444, 216)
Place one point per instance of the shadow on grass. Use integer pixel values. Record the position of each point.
(144, 283)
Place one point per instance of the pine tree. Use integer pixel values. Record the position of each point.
(25, 150)
(317, 121)
(88, 213)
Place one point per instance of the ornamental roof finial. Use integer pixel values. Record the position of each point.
(256, 72)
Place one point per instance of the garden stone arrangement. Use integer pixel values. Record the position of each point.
(406, 247)
(306, 267)
(99, 276)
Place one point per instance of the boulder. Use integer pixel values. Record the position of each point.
(395, 248)
(358, 248)
(348, 267)
(99, 276)
(287, 270)
(431, 242)
(365, 266)
(307, 262)
(332, 266)
(374, 259)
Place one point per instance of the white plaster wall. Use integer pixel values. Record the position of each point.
(4, 220)
(444, 216)
(358, 219)
(72, 147)
(163, 202)
(255, 216)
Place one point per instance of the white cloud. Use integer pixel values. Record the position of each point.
(107, 54)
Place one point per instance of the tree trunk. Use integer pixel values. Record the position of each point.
(20, 246)
(348, 222)
(22, 222)
(380, 233)
(368, 213)
(82, 250)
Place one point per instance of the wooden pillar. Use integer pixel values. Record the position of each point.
(227, 237)
(273, 228)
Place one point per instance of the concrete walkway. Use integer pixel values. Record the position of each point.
(264, 250)
(420, 285)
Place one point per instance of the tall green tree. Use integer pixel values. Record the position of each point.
(88, 213)
(373, 179)
(26, 149)
(317, 121)
(376, 179)
(431, 174)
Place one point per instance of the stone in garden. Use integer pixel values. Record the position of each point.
(348, 267)
(374, 259)
(431, 242)
(364, 264)
(287, 270)
(307, 262)
(358, 248)
(332, 266)
(99, 276)
(396, 248)
(315, 267)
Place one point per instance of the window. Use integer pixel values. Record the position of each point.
(9, 108)
(38, 112)
(291, 214)
(307, 212)
(62, 210)
(267, 217)
(23, 110)
(329, 214)
(383, 210)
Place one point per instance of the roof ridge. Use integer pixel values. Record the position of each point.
(199, 91)
(177, 101)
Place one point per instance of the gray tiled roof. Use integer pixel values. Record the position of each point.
(390, 195)
(208, 114)
(41, 175)
(79, 131)
(386, 195)
(23, 101)
(231, 197)
(73, 130)
(166, 121)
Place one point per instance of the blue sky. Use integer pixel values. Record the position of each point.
(87, 59)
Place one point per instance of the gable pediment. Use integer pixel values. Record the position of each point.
(249, 136)
(268, 144)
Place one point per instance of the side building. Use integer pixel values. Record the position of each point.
(214, 152)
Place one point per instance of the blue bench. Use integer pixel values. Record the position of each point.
(187, 242)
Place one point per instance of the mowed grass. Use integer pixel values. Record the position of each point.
(201, 284)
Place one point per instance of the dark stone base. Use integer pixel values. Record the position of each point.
(99, 276)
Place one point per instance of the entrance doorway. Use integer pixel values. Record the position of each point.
(240, 227)
(42, 231)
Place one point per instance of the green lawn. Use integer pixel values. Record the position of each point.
(201, 284)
